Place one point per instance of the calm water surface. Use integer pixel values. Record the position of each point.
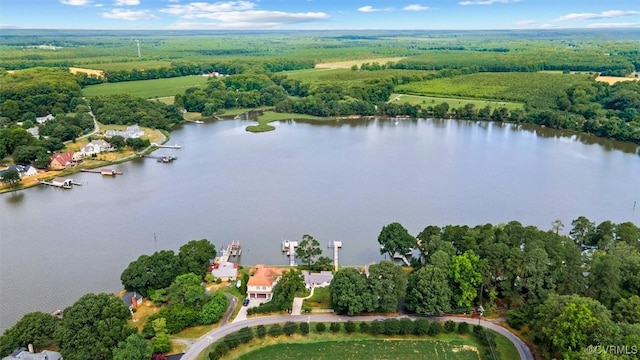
(339, 181)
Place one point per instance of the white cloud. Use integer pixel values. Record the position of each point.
(127, 2)
(487, 2)
(98, 5)
(368, 9)
(251, 19)
(76, 2)
(415, 7)
(525, 22)
(603, 15)
(547, 26)
(613, 25)
(194, 9)
(130, 15)
(174, 1)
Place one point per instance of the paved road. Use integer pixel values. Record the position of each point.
(201, 344)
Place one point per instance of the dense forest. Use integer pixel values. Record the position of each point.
(568, 291)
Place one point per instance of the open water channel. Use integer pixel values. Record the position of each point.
(336, 181)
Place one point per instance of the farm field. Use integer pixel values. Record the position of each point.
(368, 349)
(326, 75)
(347, 64)
(614, 79)
(147, 88)
(425, 101)
(517, 87)
(129, 65)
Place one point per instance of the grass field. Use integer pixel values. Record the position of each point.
(147, 88)
(129, 65)
(367, 349)
(328, 75)
(614, 79)
(319, 300)
(425, 101)
(346, 64)
(98, 73)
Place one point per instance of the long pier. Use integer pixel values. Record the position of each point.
(51, 183)
(174, 146)
(232, 250)
(107, 172)
(161, 158)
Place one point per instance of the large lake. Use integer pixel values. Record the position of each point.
(338, 181)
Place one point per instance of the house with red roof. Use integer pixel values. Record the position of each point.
(260, 285)
(64, 160)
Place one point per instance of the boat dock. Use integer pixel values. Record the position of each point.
(162, 158)
(106, 172)
(62, 183)
(233, 250)
(289, 247)
(174, 146)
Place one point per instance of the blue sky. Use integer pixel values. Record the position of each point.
(319, 14)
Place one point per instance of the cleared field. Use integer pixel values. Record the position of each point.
(367, 349)
(538, 88)
(347, 64)
(614, 79)
(326, 75)
(147, 88)
(425, 101)
(130, 65)
(98, 73)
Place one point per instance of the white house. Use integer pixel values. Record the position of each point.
(23, 170)
(132, 131)
(44, 119)
(95, 147)
(321, 279)
(35, 131)
(260, 285)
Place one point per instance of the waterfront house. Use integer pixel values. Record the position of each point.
(23, 170)
(321, 279)
(260, 285)
(64, 160)
(24, 354)
(34, 131)
(227, 271)
(95, 147)
(44, 119)
(132, 299)
(131, 132)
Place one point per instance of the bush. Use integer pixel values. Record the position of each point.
(335, 327)
(435, 328)
(421, 327)
(275, 330)
(350, 327)
(449, 326)
(261, 331)
(290, 328)
(463, 328)
(321, 327)
(218, 281)
(304, 328)
(364, 327)
(377, 327)
(391, 327)
(406, 326)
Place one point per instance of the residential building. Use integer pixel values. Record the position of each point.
(34, 131)
(24, 354)
(132, 299)
(44, 119)
(23, 170)
(260, 285)
(321, 279)
(132, 131)
(64, 160)
(95, 147)
(227, 271)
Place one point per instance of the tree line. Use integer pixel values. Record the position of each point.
(572, 291)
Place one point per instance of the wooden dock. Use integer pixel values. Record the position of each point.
(174, 146)
(59, 182)
(232, 250)
(106, 172)
(162, 158)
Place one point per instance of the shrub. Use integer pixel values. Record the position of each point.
(463, 328)
(261, 331)
(421, 327)
(321, 327)
(364, 327)
(275, 330)
(435, 328)
(406, 326)
(304, 328)
(449, 326)
(335, 327)
(350, 327)
(290, 328)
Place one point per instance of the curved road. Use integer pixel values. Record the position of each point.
(201, 344)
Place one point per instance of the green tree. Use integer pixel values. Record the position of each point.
(290, 328)
(465, 274)
(321, 327)
(627, 310)
(308, 249)
(323, 264)
(395, 239)
(133, 348)
(195, 256)
(275, 330)
(215, 307)
(429, 291)
(582, 230)
(93, 326)
(11, 178)
(188, 290)
(284, 291)
(261, 331)
(349, 292)
(35, 328)
(387, 284)
(149, 273)
(161, 343)
(605, 278)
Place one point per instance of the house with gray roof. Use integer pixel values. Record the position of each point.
(321, 279)
(44, 119)
(131, 132)
(24, 354)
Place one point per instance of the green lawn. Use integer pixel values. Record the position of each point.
(320, 75)
(269, 116)
(367, 349)
(425, 101)
(147, 88)
(319, 300)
